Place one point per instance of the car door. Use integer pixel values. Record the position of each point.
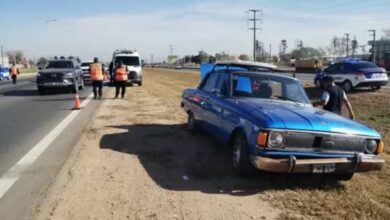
(224, 117)
(205, 94)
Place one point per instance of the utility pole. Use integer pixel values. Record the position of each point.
(270, 50)
(373, 45)
(151, 59)
(2, 56)
(347, 34)
(255, 28)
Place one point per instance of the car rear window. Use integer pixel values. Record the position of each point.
(60, 65)
(364, 65)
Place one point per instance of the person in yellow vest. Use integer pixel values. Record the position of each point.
(120, 79)
(14, 72)
(97, 76)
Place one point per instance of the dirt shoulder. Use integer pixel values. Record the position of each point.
(137, 161)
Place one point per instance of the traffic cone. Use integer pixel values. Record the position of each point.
(77, 105)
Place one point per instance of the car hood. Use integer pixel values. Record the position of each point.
(55, 71)
(295, 116)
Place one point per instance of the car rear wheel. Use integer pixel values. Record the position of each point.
(241, 159)
(347, 86)
(191, 123)
(377, 87)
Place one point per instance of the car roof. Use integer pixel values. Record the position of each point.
(257, 73)
(354, 61)
(68, 60)
(240, 63)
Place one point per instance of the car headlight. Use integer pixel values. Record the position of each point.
(38, 74)
(371, 146)
(68, 75)
(276, 139)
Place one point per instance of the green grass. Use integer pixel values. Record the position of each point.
(28, 70)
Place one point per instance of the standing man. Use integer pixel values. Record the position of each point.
(97, 76)
(333, 98)
(14, 72)
(120, 79)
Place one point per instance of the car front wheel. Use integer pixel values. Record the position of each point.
(343, 176)
(81, 84)
(377, 87)
(241, 159)
(317, 83)
(191, 123)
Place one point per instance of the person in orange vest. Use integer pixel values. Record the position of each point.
(120, 79)
(14, 72)
(97, 76)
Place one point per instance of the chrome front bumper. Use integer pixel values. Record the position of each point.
(358, 163)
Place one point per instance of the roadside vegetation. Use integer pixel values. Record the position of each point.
(28, 70)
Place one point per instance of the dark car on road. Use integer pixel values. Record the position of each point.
(352, 73)
(60, 74)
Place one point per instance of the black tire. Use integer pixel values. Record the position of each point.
(41, 91)
(377, 87)
(140, 83)
(347, 86)
(343, 176)
(75, 87)
(241, 158)
(81, 86)
(192, 125)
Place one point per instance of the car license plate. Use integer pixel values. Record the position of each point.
(378, 76)
(324, 168)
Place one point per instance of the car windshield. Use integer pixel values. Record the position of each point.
(268, 87)
(128, 61)
(59, 65)
(85, 64)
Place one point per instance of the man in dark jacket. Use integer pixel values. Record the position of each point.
(333, 98)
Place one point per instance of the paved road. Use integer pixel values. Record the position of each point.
(25, 119)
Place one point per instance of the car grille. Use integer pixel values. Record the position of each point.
(53, 76)
(325, 142)
(132, 75)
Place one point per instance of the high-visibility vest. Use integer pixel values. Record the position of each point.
(121, 74)
(14, 70)
(95, 69)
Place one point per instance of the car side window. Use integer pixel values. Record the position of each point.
(211, 82)
(223, 84)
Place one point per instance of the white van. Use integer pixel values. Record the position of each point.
(133, 63)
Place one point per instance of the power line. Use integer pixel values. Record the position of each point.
(255, 28)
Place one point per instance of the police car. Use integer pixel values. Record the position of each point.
(352, 73)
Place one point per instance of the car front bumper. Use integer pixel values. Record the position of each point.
(56, 84)
(358, 163)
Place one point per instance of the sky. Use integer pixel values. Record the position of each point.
(95, 28)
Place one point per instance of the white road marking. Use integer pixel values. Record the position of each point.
(14, 173)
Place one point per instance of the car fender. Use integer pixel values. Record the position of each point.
(249, 130)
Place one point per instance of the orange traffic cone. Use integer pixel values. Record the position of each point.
(77, 105)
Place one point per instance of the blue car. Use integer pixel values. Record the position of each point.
(271, 125)
(4, 73)
(351, 73)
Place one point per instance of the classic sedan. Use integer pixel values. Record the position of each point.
(271, 125)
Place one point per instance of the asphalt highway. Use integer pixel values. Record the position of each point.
(25, 120)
